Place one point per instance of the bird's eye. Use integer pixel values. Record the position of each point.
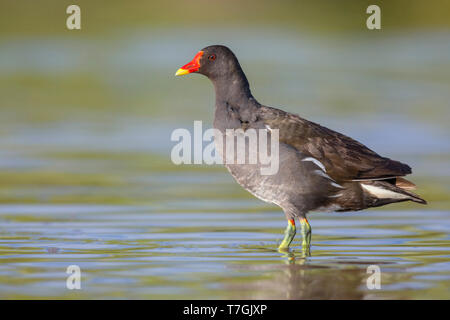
(212, 57)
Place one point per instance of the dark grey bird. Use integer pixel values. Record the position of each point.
(319, 169)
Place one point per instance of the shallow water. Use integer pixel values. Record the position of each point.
(140, 252)
(86, 177)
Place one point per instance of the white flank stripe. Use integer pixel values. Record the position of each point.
(337, 185)
(374, 179)
(316, 162)
(323, 174)
(337, 195)
(383, 193)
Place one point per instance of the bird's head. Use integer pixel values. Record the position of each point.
(213, 61)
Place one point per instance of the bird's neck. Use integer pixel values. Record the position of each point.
(233, 90)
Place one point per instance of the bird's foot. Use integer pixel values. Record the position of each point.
(306, 235)
(306, 249)
(289, 235)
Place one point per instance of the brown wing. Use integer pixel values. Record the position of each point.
(343, 157)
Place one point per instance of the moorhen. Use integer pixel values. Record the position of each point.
(319, 169)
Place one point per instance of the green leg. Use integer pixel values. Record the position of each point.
(306, 235)
(289, 235)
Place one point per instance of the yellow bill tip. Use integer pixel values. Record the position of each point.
(181, 72)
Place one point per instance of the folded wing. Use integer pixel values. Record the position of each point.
(344, 159)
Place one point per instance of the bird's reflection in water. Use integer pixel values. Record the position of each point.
(298, 278)
(290, 255)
